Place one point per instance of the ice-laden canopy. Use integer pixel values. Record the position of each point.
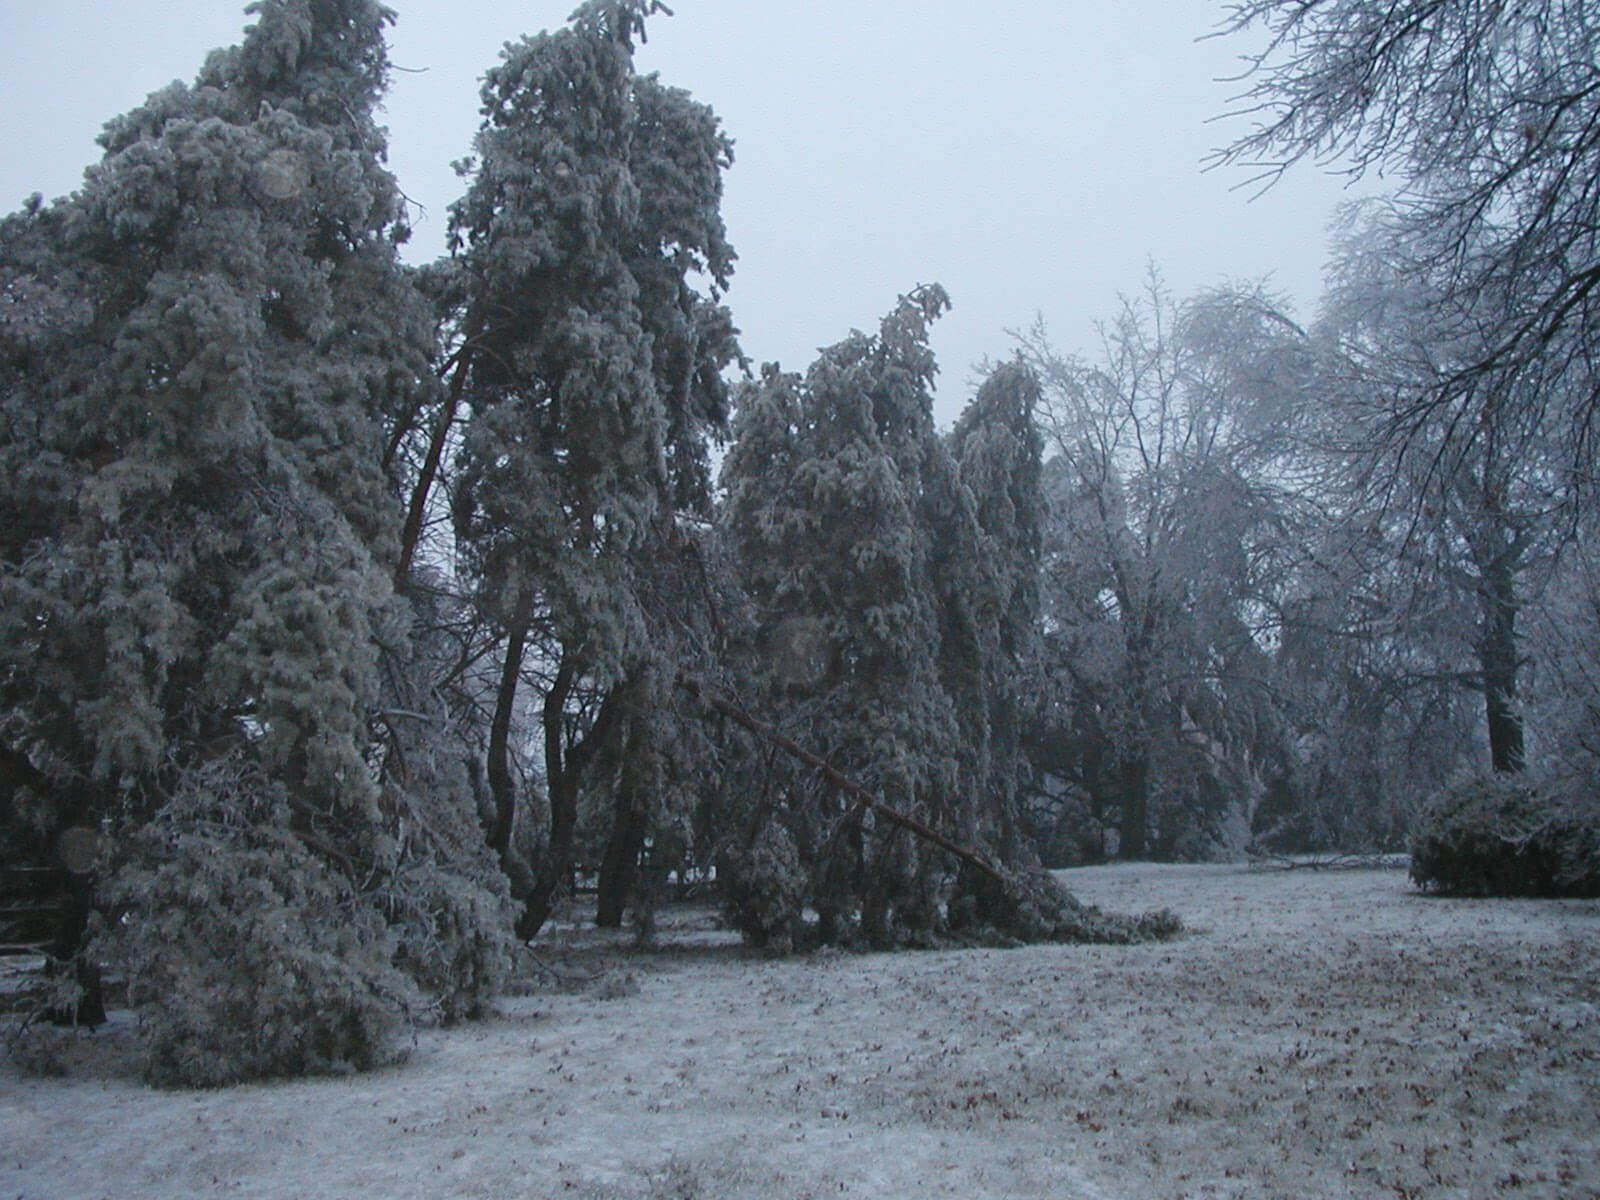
(200, 348)
(589, 257)
(591, 362)
(887, 568)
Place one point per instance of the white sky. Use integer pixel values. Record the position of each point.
(1030, 155)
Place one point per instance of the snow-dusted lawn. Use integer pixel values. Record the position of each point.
(1319, 1034)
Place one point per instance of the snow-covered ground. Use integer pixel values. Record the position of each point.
(1317, 1034)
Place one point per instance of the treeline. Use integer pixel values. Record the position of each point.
(345, 606)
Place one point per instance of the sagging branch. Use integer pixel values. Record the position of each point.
(864, 799)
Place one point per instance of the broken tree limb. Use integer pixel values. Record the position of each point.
(1018, 906)
(865, 799)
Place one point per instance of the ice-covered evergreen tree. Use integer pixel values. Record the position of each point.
(991, 592)
(196, 548)
(592, 367)
(880, 595)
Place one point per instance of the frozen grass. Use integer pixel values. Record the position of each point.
(1318, 1034)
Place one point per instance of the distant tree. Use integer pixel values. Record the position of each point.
(1369, 671)
(1481, 497)
(1486, 115)
(1170, 528)
(196, 546)
(592, 367)
(1563, 644)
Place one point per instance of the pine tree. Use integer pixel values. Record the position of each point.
(828, 511)
(592, 367)
(198, 536)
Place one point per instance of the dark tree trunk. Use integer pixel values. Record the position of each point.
(564, 769)
(557, 855)
(1497, 657)
(502, 787)
(619, 869)
(411, 534)
(1134, 781)
(1133, 772)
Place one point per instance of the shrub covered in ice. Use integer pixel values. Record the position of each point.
(1504, 835)
(246, 955)
(763, 888)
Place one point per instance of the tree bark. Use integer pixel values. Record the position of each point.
(564, 769)
(1135, 787)
(502, 787)
(619, 869)
(1497, 658)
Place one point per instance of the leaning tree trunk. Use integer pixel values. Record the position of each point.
(416, 510)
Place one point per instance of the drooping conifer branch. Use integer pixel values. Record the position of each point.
(864, 799)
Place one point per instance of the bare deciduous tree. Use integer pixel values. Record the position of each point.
(1488, 112)
(1169, 534)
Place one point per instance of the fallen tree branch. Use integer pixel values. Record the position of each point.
(844, 783)
(1268, 860)
(1026, 905)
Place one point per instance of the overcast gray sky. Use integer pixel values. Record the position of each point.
(1030, 155)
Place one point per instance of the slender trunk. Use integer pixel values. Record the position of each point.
(1133, 771)
(555, 857)
(619, 869)
(502, 787)
(402, 430)
(564, 768)
(1497, 657)
(411, 533)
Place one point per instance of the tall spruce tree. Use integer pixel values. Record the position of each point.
(592, 367)
(196, 547)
